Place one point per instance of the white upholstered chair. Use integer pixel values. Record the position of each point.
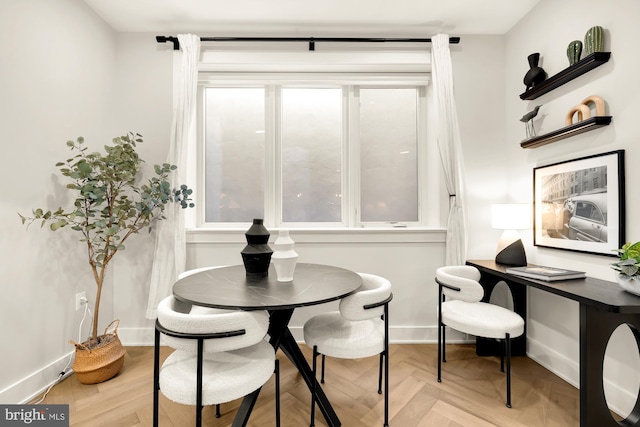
(459, 307)
(359, 329)
(218, 356)
(197, 309)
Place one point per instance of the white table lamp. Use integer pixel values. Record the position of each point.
(510, 218)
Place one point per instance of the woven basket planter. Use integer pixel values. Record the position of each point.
(100, 364)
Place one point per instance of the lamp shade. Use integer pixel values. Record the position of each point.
(510, 216)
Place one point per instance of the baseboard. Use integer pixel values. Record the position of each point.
(136, 336)
(620, 400)
(559, 364)
(31, 387)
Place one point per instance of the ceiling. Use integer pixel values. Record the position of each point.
(363, 18)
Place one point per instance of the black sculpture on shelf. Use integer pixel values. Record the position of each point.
(528, 120)
(536, 74)
(256, 256)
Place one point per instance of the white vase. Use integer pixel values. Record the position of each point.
(629, 284)
(284, 257)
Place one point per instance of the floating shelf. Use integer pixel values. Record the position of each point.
(566, 132)
(588, 63)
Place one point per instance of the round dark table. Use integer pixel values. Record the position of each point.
(229, 288)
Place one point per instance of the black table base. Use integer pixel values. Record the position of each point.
(281, 338)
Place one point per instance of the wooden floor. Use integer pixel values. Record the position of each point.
(472, 394)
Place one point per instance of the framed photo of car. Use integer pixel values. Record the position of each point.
(579, 204)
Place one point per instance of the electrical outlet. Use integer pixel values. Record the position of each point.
(81, 299)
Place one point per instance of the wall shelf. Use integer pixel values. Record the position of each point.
(586, 64)
(566, 132)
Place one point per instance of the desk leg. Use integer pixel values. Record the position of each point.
(282, 339)
(596, 327)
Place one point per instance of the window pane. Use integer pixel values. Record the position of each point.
(234, 154)
(311, 155)
(388, 155)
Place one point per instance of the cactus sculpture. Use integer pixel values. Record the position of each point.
(573, 51)
(594, 40)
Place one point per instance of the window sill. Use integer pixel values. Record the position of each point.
(328, 235)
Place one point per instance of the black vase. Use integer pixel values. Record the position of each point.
(536, 74)
(256, 256)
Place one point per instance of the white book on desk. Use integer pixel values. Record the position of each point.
(548, 274)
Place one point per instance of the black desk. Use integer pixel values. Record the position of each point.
(312, 284)
(603, 307)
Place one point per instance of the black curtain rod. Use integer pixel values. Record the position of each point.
(310, 40)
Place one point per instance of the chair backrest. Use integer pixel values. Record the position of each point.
(170, 316)
(374, 289)
(464, 277)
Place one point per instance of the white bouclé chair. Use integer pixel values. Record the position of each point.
(219, 356)
(359, 329)
(459, 307)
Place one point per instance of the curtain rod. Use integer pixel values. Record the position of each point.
(310, 40)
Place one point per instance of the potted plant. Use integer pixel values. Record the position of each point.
(110, 206)
(628, 267)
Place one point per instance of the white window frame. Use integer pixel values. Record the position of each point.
(350, 155)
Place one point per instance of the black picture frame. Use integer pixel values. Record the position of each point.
(579, 204)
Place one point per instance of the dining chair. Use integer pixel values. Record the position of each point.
(459, 307)
(198, 309)
(218, 357)
(360, 328)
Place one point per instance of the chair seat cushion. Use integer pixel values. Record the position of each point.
(226, 375)
(346, 339)
(482, 319)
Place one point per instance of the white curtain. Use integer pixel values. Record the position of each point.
(450, 148)
(170, 251)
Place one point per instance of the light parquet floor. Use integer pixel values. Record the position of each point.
(472, 394)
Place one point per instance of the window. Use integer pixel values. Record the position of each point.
(313, 153)
(311, 167)
(388, 155)
(234, 153)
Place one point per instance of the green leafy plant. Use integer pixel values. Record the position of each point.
(629, 264)
(110, 204)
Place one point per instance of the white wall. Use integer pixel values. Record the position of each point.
(479, 73)
(553, 328)
(57, 68)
